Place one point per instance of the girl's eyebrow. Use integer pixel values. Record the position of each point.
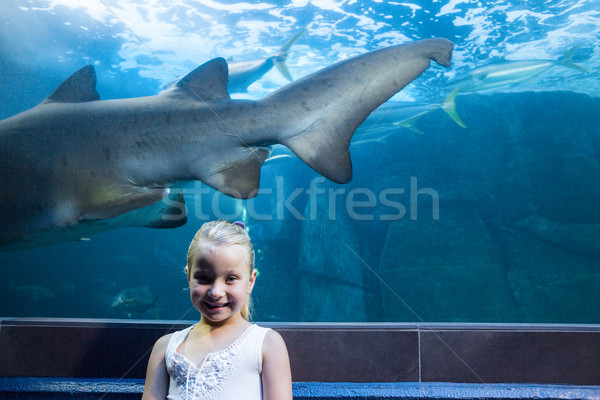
(201, 270)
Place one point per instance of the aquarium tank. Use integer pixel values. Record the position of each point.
(475, 190)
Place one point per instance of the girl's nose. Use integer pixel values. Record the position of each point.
(216, 290)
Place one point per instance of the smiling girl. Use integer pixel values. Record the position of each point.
(223, 356)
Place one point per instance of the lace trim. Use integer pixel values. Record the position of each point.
(215, 371)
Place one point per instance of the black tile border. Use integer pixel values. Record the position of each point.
(322, 352)
(571, 357)
(108, 389)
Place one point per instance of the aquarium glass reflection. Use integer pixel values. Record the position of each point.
(475, 189)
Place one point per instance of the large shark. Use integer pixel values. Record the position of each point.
(75, 164)
(242, 74)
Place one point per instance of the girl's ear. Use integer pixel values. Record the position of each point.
(253, 276)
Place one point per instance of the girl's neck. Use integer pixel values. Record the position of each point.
(231, 323)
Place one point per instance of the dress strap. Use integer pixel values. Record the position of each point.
(176, 340)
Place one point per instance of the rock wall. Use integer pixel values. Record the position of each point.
(501, 220)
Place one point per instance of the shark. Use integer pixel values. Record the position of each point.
(242, 74)
(508, 72)
(74, 164)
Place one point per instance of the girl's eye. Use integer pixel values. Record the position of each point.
(231, 278)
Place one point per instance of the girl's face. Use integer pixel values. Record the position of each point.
(220, 282)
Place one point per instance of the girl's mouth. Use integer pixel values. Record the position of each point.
(215, 306)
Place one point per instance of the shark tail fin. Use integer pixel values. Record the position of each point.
(281, 56)
(449, 106)
(322, 111)
(566, 59)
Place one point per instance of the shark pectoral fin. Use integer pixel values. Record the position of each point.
(78, 88)
(240, 180)
(207, 82)
(115, 204)
(324, 146)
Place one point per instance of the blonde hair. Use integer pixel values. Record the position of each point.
(222, 233)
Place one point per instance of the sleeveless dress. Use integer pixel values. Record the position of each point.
(230, 374)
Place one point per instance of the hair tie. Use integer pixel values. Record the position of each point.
(240, 223)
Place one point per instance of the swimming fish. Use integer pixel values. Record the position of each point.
(31, 292)
(242, 74)
(403, 114)
(510, 72)
(136, 301)
(75, 163)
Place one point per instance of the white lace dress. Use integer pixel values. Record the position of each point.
(230, 374)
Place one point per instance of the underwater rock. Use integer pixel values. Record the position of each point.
(549, 284)
(578, 238)
(521, 154)
(540, 156)
(444, 270)
(335, 263)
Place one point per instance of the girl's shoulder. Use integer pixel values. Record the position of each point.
(276, 375)
(163, 342)
(273, 342)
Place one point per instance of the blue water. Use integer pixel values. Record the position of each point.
(445, 224)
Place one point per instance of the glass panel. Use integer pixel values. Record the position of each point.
(473, 206)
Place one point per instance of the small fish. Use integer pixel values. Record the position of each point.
(32, 292)
(403, 114)
(242, 74)
(136, 301)
(510, 72)
(165, 257)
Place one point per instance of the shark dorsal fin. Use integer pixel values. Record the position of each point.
(78, 88)
(207, 82)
